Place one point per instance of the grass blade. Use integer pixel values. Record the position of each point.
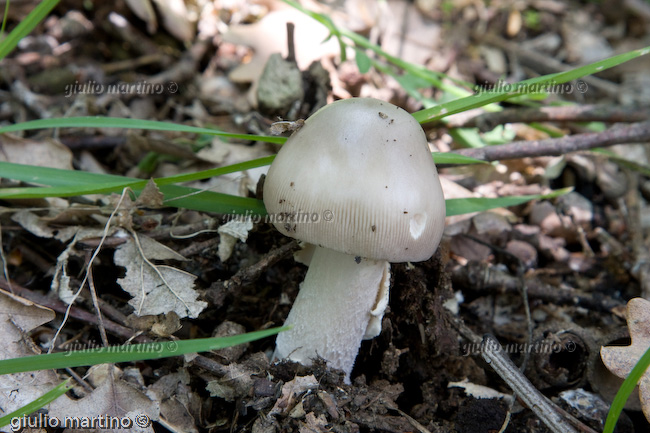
(481, 99)
(128, 352)
(41, 401)
(625, 390)
(115, 122)
(26, 26)
(459, 206)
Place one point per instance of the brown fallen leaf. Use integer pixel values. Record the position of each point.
(621, 360)
(18, 317)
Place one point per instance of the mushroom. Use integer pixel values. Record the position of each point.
(357, 182)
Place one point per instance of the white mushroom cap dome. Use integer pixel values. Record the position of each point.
(359, 178)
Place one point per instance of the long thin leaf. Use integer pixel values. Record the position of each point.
(458, 206)
(114, 122)
(481, 99)
(35, 405)
(128, 352)
(26, 26)
(68, 183)
(625, 390)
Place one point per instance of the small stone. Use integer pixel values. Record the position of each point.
(524, 252)
(280, 86)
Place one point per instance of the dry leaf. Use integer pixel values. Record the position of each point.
(177, 401)
(479, 391)
(175, 19)
(621, 359)
(144, 10)
(156, 289)
(231, 232)
(39, 226)
(113, 399)
(46, 152)
(19, 316)
(150, 196)
(61, 280)
(291, 391)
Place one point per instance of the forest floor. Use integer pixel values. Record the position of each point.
(549, 279)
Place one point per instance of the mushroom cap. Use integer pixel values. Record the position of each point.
(359, 178)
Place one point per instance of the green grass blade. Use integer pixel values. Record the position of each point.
(115, 122)
(26, 26)
(35, 405)
(68, 183)
(484, 98)
(213, 202)
(128, 352)
(459, 206)
(625, 390)
(453, 158)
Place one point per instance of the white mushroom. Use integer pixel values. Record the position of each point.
(358, 182)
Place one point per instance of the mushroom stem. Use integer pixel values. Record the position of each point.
(339, 304)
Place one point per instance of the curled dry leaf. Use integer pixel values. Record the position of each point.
(621, 360)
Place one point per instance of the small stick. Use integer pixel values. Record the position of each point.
(525, 391)
(291, 53)
(636, 132)
(75, 311)
(573, 113)
(248, 275)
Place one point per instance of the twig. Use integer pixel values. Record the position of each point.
(75, 312)
(112, 327)
(526, 392)
(573, 113)
(248, 275)
(481, 276)
(641, 268)
(544, 63)
(291, 47)
(93, 296)
(5, 268)
(636, 132)
(90, 263)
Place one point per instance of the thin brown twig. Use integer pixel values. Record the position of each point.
(75, 312)
(634, 133)
(483, 277)
(573, 113)
(248, 275)
(119, 330)
(291, 47)
(544, 63)
(93, 296)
